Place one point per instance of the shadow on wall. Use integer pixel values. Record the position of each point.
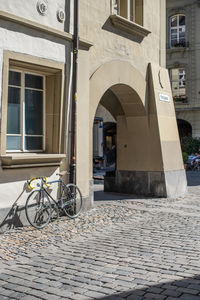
(23, 174)
(30, 32)
(67, 17)
(108, 26)
(186, 289)
(13, 217)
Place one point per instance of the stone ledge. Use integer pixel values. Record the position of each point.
(177, 49)
(43, 28)
(26, 160)
(183, 107)
(128, 26)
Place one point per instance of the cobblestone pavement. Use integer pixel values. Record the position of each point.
(130, 249)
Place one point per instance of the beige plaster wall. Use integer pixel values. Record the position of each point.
(138, 144)
(83, 125)
(13, 183)
(170, 144)
(151, 142)
(110, 43)
(31, 42)
(104, 113)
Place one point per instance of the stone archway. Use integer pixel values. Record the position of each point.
(143, 165)
(110, 75)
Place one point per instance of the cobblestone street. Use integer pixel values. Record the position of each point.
(122, 249)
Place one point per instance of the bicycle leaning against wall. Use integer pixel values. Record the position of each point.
(41, 207)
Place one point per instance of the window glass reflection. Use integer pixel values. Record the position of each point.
(13, 142)
(33, 81)
(33, 112)
(13, 111)
(33, 143)
(25, 112)
(178, 84)
(177, 31)
(14, 78)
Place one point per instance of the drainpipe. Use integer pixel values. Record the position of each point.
(74, 96)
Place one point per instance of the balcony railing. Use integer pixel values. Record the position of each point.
(180, 99)
(181, 44)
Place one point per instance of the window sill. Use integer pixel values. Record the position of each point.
(177, 49)
(128, 26)
(28, 160)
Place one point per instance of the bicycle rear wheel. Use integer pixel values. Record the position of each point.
(72, 200)
(38, 209)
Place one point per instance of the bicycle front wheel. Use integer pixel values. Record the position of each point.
(72, 200)
(38, 209)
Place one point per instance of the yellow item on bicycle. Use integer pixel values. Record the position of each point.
(45, 182)
(29, 183)
(44, 179)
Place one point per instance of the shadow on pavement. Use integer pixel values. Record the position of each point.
(12, 220)
(186, 289)
(100, 195)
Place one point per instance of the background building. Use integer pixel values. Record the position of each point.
(183, 59)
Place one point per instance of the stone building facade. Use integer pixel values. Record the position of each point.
(121, 65)
(183, 54)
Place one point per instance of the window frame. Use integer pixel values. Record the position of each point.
(184, 97)
(125, 10)
(177, 27)
(23, 72)
(55, 85)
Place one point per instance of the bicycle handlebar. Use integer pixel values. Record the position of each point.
(43, 178)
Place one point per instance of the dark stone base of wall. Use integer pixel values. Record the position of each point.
(153, 184)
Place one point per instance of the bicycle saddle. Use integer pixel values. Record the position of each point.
(62, 173)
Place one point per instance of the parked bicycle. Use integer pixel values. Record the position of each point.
(41, 207)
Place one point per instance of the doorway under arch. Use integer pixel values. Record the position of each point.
(184, 128)
(124, 141)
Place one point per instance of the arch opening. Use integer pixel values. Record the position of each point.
(119, 112)
(184, 128)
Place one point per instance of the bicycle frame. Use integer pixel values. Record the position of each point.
(43, 190)
(66, 200)
(61, 184)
